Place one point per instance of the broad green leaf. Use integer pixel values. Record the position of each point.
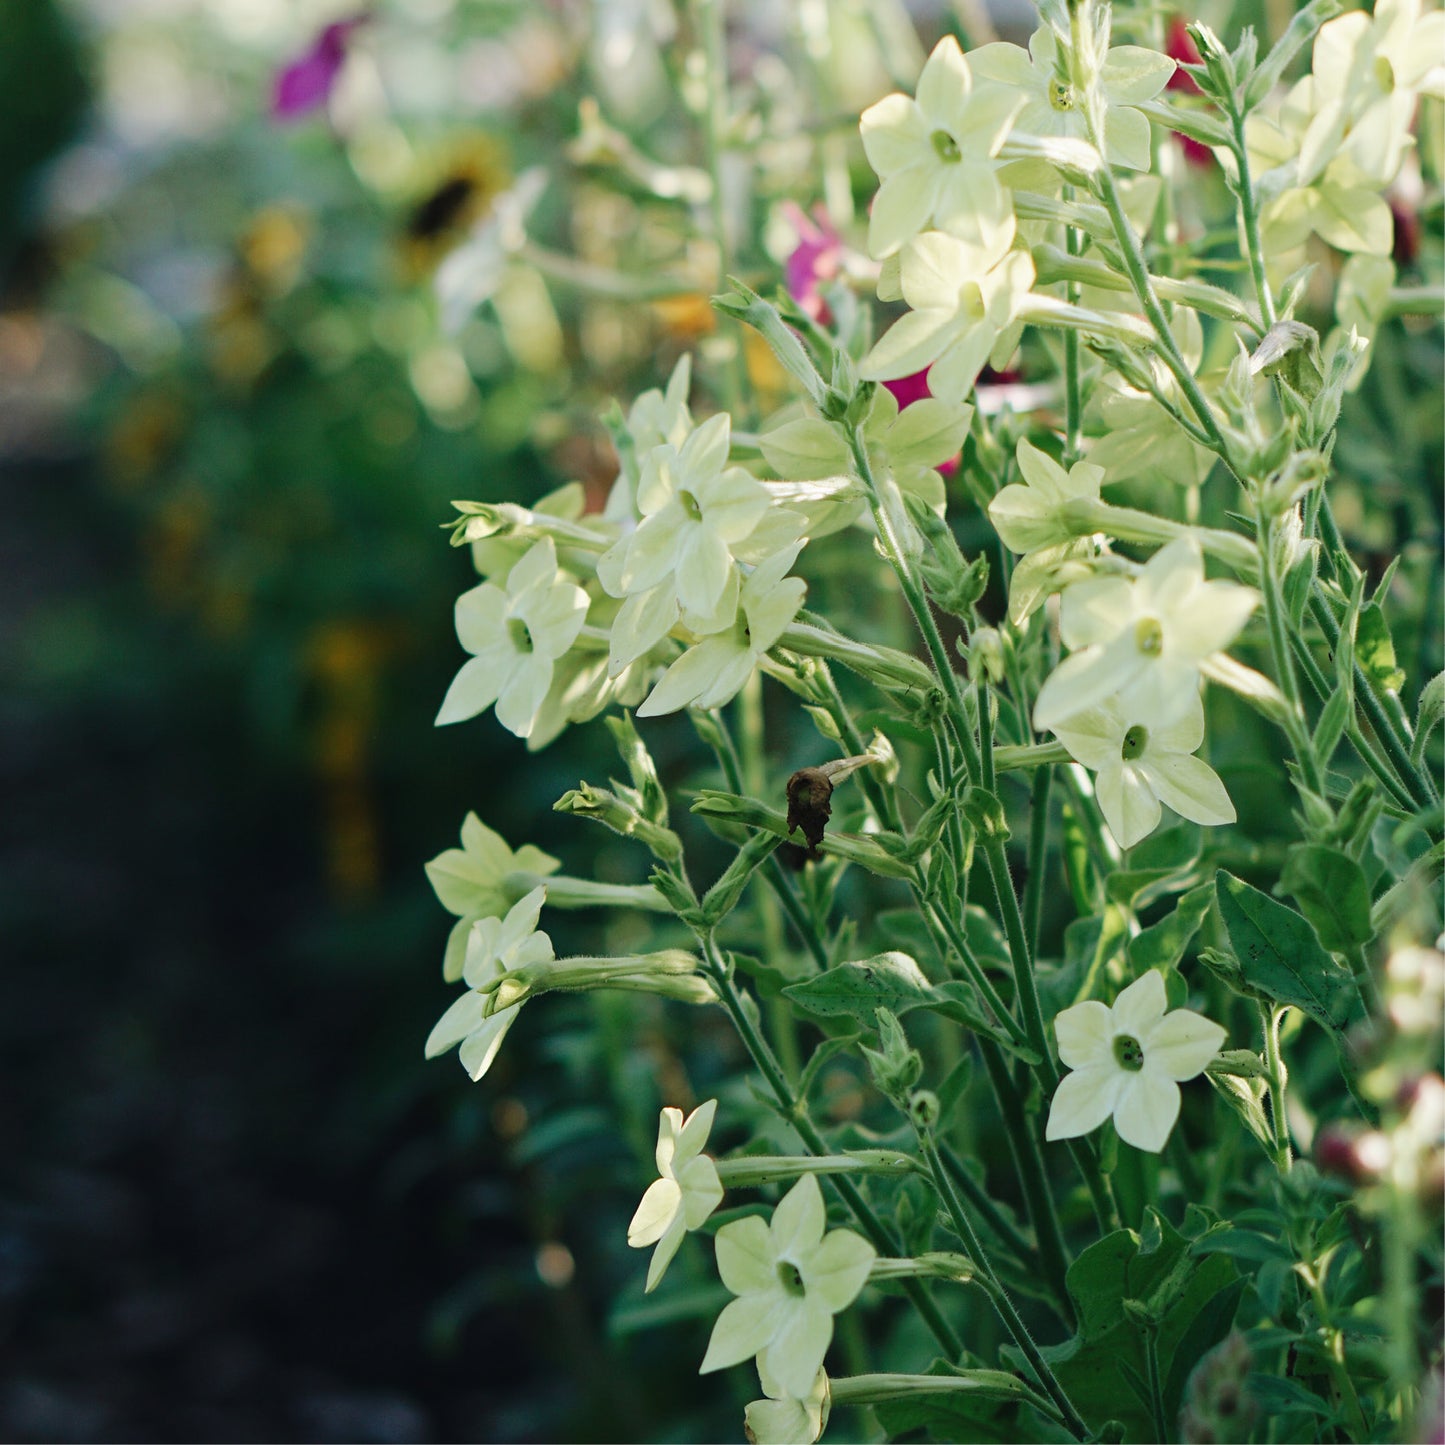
(1280, 956)
(1332, 893)
(805, 448)
(1162, 945)
(853, 990)
(1163, 863)
(1183, 1290)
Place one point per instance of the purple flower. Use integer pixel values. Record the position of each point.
(306, 83)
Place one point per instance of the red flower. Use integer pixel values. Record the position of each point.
(307, 82)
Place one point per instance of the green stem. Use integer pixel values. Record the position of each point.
(1369, 754)
(1028, 1161)
(797, 1114)
(997, 1221)
(1274, 611)
(917, 602)
(1037, 855)
(1249, 211)
(1073, 1421)
(1277, 1076)
(1156, 1386)
(996, 860)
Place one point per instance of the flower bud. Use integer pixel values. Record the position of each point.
(897, 1068)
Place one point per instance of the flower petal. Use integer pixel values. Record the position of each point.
(799, 1220)
(667, 1246)
(741, 1331)
(693, 1134)
(1140, 1006)
(1085, 1033)
(796, 1352)
(745, 1258)
(1083, 1100)
(480, 1048)
(901, 209)
(656, 1213)
(524, 693)
(1192, 788)
(702, 569)
(702, 1190)
(1181, 1044)
(837, 1270)
(1148, 1106)
(463, 1017)
(480, 614)
(474, 689)
(894, 134)
(1127, 802)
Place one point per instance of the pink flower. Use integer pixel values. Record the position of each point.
(817, 257)
(307, 82)
(1180, 46)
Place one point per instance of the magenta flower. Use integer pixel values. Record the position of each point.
(307, 82)
(817, 257)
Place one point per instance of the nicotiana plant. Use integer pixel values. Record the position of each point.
(1064, 414)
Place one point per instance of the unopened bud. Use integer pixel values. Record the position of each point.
(1217, 1404)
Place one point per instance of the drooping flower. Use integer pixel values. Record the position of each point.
(964, 296)
(934, 154)
(713, 671)
(687, 1192)
(515, 634)
(790, 1279)
(1142, 640)
(496, 946)
(1027, 515)
(782, 1419)
(1130, 75)
(306, 83)
(1140, 767)
(472, 882)
(1128, 1061)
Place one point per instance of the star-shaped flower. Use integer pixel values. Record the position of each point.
(1142, 640)
(1131, 74)
(471, 881)
(687, 1192)
(714, 671)
(695, 509)
(790, 1279)
(1141, 767)
(516, 634)
(934, 153)
(1026, 515)
(964, 296)
(496, 946)
(1367, 72)
(1128, 1061)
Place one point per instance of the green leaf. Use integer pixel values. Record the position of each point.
(1163, 863)
(1332, 893)
(1375, 650)
(1333, 720)
(1183, 1291)
(805, 448)
(1427, 719)
(927, 432)
(853, 990)
(1281, 958)
(1162, 945)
